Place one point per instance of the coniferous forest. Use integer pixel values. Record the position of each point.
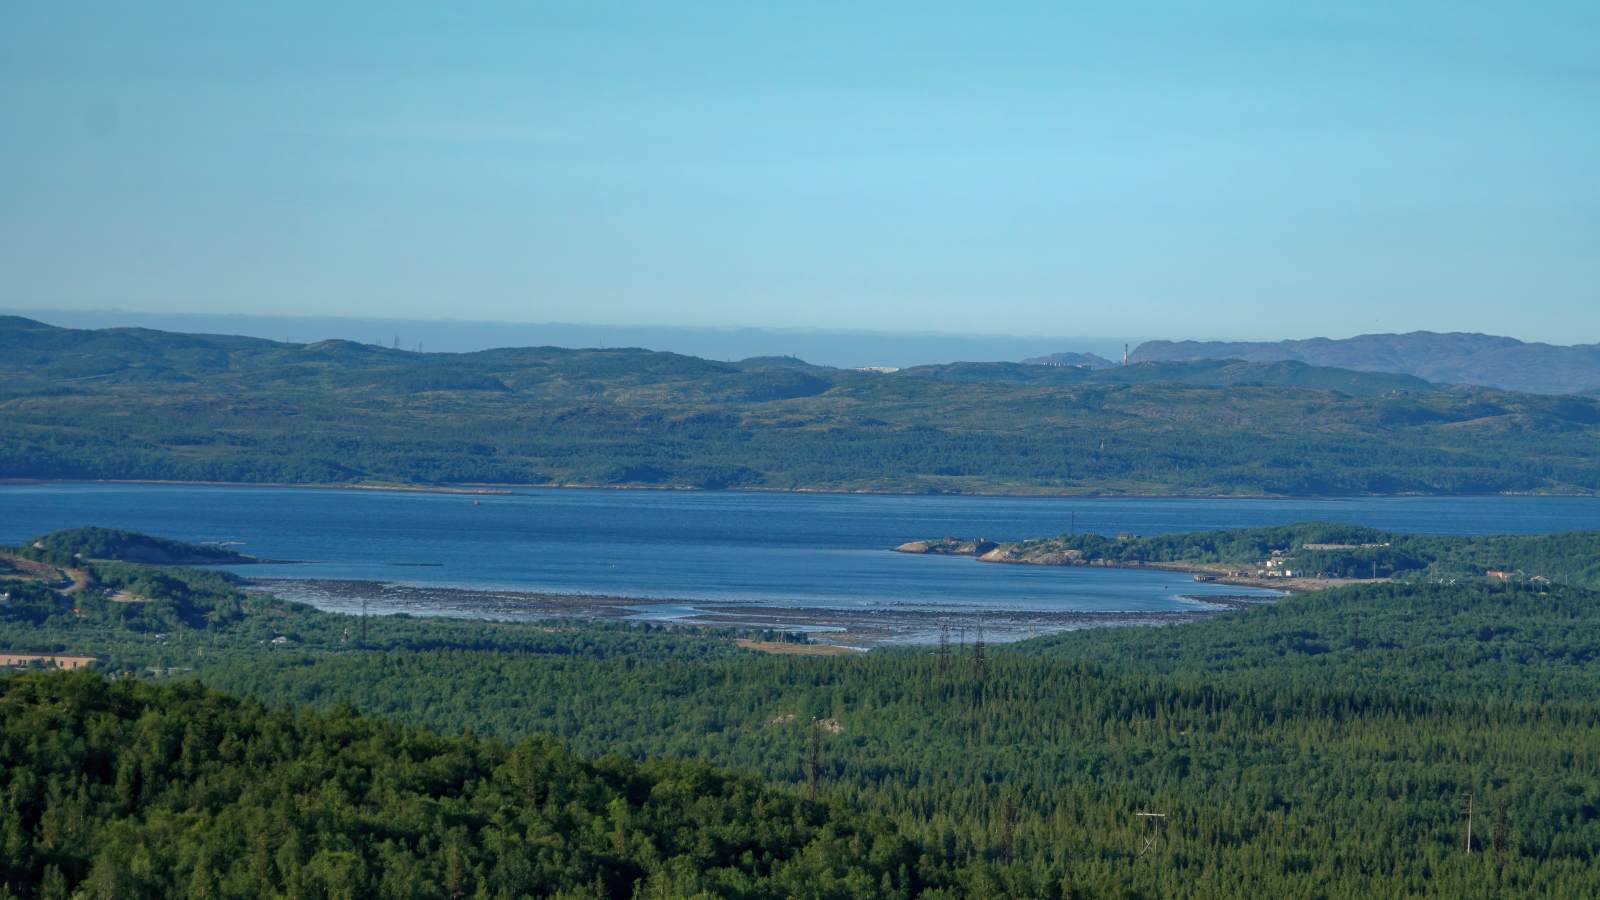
(1327, 745)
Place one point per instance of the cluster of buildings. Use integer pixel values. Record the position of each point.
(1510, 575)
(47, 660)
(1277, 566)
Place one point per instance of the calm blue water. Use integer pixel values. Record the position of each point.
(766, 550)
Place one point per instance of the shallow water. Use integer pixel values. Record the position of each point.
(782, 553)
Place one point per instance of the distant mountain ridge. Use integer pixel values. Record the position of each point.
(1451, 358)
(841, 348)
(1206, 373)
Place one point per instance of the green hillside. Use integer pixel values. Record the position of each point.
(138, 404)
(128, 790)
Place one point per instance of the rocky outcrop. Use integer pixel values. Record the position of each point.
(1030, 552)
(949, 547)
(1033, 555)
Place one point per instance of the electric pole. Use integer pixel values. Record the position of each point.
(814, 758)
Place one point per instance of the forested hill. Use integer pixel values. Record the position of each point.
(130, 790)
(1479, 359)
(91, 543)
(141, 404)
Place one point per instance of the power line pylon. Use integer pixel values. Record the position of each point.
(1154, 822)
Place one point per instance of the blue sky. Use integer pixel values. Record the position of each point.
(1220, 169)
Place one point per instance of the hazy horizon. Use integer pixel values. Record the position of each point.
(819, 346)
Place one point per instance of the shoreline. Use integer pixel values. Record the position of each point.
(1215, 573)
(469, 490)
(1283, 585)
(397, 592)
(508, 489)
(824, 625)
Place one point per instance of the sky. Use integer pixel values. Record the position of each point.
(1216, 169)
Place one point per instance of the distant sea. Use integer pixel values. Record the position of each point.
(844, 349)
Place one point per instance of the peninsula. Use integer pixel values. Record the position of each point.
(1302, 557)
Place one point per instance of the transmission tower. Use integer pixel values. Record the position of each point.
(1154, 822)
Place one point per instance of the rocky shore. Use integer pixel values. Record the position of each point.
(1044, 553)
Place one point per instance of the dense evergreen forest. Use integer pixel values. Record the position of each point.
(139, 404)
(128, 790)
(1323, 746)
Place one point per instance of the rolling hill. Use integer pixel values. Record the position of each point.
(141, 404)
(1456, 358)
